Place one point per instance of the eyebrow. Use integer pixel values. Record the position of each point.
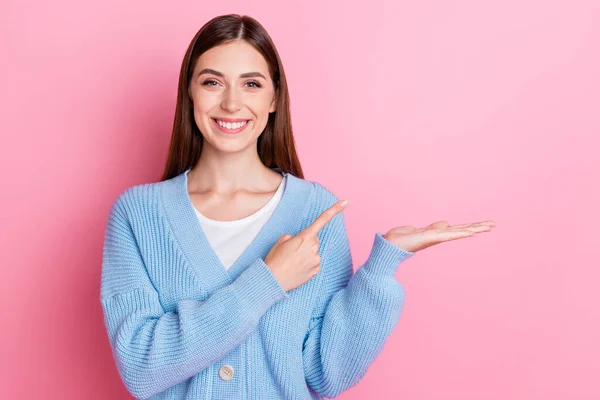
(244, 75)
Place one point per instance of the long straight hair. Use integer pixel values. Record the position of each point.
(276, 147)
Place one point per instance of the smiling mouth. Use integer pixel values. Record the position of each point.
(231, 127)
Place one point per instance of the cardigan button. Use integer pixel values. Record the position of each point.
(226, 372)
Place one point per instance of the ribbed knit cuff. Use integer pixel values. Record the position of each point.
(258, 288)
(385, 257)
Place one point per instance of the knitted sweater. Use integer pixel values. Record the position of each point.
(181, 326)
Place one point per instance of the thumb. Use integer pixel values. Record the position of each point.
(284, 238)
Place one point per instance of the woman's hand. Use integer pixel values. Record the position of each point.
(294, 260)
(414, 239)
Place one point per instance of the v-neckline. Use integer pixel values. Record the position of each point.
(192, 239)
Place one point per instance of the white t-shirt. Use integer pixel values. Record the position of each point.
(229, 239)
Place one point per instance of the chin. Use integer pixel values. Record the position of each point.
(230, 145)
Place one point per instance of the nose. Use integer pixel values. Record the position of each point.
(231, 100)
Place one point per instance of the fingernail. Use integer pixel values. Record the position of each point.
(345, 202)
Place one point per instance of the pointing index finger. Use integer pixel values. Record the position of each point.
(323, 219)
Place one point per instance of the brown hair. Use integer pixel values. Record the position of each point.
(276, 146)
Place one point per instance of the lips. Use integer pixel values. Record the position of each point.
(232, 119)
(229, 120)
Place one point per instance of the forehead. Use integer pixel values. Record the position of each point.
(233, 59)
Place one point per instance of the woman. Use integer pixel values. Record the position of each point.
(232, 278)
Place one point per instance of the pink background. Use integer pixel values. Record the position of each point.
(414, 111)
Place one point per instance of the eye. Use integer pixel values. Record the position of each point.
(257, 85)
(209, 82)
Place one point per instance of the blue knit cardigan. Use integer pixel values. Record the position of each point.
(175, 315)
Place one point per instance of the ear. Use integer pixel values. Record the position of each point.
(274, 103)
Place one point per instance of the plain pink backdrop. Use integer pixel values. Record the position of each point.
(414, 111)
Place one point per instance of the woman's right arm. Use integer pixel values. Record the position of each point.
(155, 350)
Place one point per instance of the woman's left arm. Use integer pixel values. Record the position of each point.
(356, 313)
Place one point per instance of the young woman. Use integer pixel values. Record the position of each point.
(232, 278)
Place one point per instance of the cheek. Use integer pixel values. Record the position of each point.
(204, 104)
(206, 99)
(261, 104)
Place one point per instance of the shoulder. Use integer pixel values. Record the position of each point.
(320, 199)
(315, 194)
(136, 200)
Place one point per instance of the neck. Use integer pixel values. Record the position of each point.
(223, 172)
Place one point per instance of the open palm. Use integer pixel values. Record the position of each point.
(414, 239)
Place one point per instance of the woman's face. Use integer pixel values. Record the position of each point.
(232, 94)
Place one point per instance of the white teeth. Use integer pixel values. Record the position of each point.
(229, 125)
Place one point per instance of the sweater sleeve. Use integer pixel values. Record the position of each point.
(357, 311)
(154, 349)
